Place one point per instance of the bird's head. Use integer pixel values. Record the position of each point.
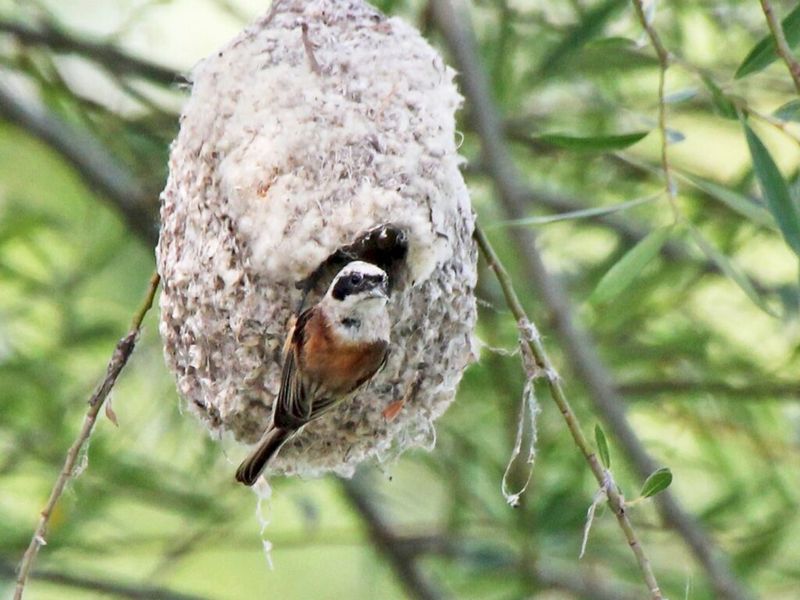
(355, 304)
(358, 283)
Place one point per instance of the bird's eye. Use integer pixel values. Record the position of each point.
(355, 278)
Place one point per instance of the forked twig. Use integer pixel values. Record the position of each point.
(514, 197)
(534, 343)
(119, 359)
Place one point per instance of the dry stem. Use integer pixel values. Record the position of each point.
(781, 45)
(534, 343)
(309, 47)
(119, 359)
(401, 557)
(663, 62)
(514, 196)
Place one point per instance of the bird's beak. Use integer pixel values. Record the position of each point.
(381, 290)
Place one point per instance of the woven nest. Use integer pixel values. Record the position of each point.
(316, 135)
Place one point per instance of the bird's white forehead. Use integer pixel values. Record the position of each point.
(362, 267)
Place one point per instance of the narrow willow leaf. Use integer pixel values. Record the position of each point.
(730, 270)
(602, 446)
(722, 105)
(658, 481)
(763, 53)
(681, 96)
(789, 111)
(620, 276)
(585, 213)
(592, 143)
(610, 54)
(775, 190)
(674, 136)
(735, 201)
(589, 27)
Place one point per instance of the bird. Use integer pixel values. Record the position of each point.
(332, 349)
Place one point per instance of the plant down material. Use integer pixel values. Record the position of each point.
(314, 126)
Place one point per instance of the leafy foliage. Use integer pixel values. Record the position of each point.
(658, 481)
(693, 307)
(763, 53)
(775, 190)
(602, 445)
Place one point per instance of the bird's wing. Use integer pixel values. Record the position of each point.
(293, 406)
(301, 400)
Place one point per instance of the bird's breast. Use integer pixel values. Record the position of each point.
(336, 366)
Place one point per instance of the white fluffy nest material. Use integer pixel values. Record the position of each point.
(317, 124)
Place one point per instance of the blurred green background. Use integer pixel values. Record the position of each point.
(699, 336)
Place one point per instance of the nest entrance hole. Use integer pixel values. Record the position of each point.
(385, 246)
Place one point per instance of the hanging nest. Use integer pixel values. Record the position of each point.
(323, 133)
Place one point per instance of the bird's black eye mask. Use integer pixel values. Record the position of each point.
(385, 246)
(355, 283)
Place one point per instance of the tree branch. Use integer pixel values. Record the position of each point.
(90, 159)
(579, 584)
(781, 45)
(119, 359)
(533, 340)
(400, 555)
(132, 591)
(576, 343)
(107, 55)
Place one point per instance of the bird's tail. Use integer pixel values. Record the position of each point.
(251, 467)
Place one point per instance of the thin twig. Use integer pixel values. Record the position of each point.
(309, 47)
(628, 229)
(781, 45)
(778, 124)
(739, 102)
(663, 62)
(576, 342)
(273, 10)
(119, 359)
(400, 556)
(534, 342)
(107, 55)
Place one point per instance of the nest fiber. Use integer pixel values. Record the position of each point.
(318, 124)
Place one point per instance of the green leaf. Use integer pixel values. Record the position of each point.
(735, 201)
(722, 105)
(609, 54)
(681, 96)
(763, 53)
(613, 43)
(775, 190)
(584, 213)
(591, 143)
(789, 111)
(620, 276)
(674, 136)
(658, 481)
(602, 446)
(731, 271)
(592, 24)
